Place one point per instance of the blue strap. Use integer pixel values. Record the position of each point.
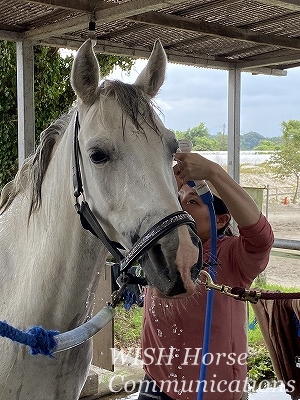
(40, 340)
(252, 324)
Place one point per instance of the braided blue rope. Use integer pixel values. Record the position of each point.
(40, 340)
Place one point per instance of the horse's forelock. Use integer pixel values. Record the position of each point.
(133, 102)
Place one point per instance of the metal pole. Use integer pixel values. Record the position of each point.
(25, 94)
(234, 116)
(267, 201)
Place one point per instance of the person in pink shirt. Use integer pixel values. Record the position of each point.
(172, 334)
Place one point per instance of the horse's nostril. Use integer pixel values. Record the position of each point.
(159, 259)
(178, 288)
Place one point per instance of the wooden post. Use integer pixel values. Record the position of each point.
(104, 340)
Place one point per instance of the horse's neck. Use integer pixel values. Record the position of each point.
(57, 262)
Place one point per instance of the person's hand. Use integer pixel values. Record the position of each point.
(191, 167)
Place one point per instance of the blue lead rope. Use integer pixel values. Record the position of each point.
(209, 302)
(207, 198)
(40, 340)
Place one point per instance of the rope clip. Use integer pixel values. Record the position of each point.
(244, 294)
(210, 284)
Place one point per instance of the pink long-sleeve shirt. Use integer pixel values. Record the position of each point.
(173, 329)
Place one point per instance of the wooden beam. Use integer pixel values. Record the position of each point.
(214, 29)
(11, 36)
(106, 47)
(258, 62)
(78, 5)
(267, 71)
(101, 15)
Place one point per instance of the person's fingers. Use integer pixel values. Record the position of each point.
(178, 168)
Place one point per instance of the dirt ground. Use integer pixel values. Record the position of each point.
(284, 265)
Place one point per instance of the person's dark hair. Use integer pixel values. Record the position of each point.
(220, 209)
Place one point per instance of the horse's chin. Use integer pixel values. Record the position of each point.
(163, 286)
(189, 292)
(169, 282)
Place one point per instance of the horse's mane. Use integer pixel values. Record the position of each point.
(34, 167)
(134, 103)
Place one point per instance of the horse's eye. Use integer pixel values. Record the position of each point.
(99, 157)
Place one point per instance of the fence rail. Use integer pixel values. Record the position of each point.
(287, 244)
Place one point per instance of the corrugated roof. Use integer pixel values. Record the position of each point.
(254, 35)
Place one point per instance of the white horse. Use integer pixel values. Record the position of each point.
(49, 263)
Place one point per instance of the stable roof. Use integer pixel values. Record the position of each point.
(253, 35)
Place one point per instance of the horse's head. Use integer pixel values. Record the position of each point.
(126, 163)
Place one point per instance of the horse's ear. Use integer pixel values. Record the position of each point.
(85, 73)
(152, 76)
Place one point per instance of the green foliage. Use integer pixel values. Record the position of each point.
(53, 95)
(221, 141)
(108, 63)
(8, 111)
(267, 145)
(250, 140)
(128, 326)
(260, 366)
(199, 136)
(285, 162)
(203, 141)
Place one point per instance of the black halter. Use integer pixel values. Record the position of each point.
(90, 222)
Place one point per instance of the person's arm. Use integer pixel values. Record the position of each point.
(192, 166)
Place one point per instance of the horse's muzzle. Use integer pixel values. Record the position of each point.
(173, 264)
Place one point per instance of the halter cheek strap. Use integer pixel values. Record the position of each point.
(87, 217)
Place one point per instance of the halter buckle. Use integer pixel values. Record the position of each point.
(122, 281)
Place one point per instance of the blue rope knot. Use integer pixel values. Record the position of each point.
(40, 340)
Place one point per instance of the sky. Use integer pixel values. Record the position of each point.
(191, 95)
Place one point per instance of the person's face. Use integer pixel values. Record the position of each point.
(192, 204)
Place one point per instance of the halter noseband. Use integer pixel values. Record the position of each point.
(90, 222)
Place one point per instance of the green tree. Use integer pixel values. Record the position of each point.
(222, 141)
(267, 145)
(205, 144)
(250, 140)
(199, 136)
(53, 95)
(285, 162)
(199, 131)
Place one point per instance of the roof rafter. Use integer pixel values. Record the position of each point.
(214, 29)
(271, 59)
(78, 5)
